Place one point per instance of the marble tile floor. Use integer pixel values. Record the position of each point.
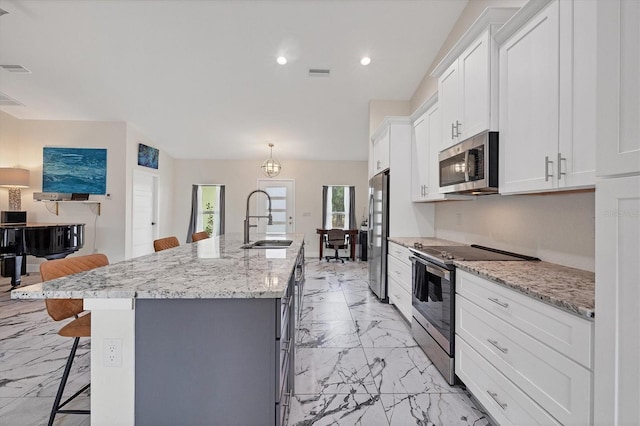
(356, 362)
(32, 358)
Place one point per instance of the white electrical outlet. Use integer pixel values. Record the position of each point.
(112, 353)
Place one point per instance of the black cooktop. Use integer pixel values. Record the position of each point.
(447, 254)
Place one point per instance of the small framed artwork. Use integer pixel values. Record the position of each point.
(148, 156)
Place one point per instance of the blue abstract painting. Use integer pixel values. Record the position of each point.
(70, 170)
(147, 156)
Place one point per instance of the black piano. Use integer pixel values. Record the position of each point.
(48, 240)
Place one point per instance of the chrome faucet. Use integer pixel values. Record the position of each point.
(246, 219)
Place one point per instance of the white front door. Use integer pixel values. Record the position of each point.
(144, 218)
(282, 194)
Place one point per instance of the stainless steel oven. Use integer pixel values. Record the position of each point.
(432, 302)
(433, 298)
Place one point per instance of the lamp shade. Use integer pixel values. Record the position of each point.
(14, 177)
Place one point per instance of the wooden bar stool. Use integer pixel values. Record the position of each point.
(165, 243)
(60, 309)
(197, 236)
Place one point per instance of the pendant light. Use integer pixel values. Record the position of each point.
(271, 167)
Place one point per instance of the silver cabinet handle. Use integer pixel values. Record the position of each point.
(560, 160)
(458, 124)
(378, 164)
(287, 399)
(453, 128)
(500, 348)
(494, 396)
(546, 169)
(498, 302)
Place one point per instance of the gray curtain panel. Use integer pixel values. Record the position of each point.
(193, 220)
(325, 191)
(352, 208)
(221, 209)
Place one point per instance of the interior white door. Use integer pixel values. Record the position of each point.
(144, 218)
(282, 194)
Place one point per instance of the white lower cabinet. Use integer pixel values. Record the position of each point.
(538, 356)
(399, 278)
(506, 403)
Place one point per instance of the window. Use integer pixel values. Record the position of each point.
(207, 210)
(338, 205)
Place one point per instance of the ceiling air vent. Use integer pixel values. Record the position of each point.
(15, 68)
(8, 101)
(317, 72)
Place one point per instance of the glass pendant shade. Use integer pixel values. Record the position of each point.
(271, 167)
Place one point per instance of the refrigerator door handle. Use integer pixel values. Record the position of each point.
(370, 227)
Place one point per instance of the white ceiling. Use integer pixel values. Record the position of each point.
(199, 78)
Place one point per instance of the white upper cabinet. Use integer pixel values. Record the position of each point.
(420, 159)
(547, 97)
(467, 80)
(618, 69)
(465, 93)
(426, 144)
(380, 151)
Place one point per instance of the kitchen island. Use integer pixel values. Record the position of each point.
(197, 334)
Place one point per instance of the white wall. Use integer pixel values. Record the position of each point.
(21, 143)
(240, 177)
(558, 228)
(379, 110)
(165, 185)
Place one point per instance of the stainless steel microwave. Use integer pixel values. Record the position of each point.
(471, 167)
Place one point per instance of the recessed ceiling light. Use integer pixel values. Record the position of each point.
(365, 61)
(281, 60)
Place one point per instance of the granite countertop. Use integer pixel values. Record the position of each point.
(215, 268)
(566, 288)
(425, 241)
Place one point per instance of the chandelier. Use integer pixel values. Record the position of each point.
(271, 167)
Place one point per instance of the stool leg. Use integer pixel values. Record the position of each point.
(63, 382)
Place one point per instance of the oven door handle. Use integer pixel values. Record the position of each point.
(438, 272)
(444, 274)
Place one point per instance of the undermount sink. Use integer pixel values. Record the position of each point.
(268, 244)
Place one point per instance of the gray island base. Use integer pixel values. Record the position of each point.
(205, 332)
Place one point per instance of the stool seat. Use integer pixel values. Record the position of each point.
(79, 327)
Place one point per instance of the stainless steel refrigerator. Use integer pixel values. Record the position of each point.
(378, 233)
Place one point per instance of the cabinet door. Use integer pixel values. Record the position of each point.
(618, 89)
(419, 158)
(576, 160)
(529, 98)
(474, 86)
(435, 146)
(449, 101)
(381, 152)
(617, 326)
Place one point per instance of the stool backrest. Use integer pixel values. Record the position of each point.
(197, 236)
(60, 309)
(165, 243)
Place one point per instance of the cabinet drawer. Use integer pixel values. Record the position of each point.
(400, 272)
(400, 253)
(504, 401)
(401, 298)
(559, 385)
(568, 334)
